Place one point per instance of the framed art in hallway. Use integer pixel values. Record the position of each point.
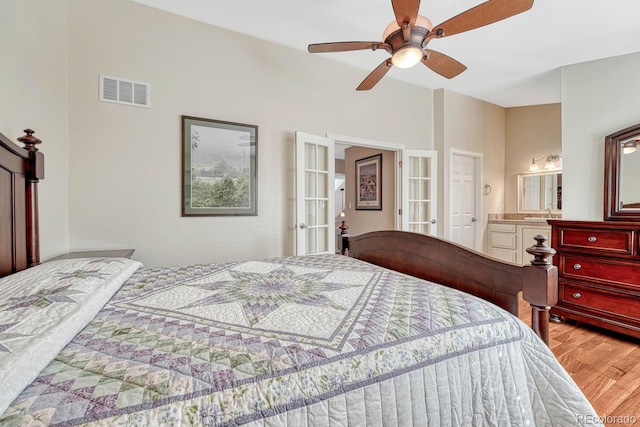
(369, 183)
(219, 168)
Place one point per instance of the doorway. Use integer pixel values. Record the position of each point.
(465, 170)
(317, 209)
(349, 149)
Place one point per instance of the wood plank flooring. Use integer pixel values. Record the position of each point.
(604, 364)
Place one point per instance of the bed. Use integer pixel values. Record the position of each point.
(379, 337)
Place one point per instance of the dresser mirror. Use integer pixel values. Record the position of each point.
(540, 192)
(622, 175)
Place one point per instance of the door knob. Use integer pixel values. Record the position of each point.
(302, 225)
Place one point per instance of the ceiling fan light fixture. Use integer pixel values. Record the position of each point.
(407, 56)
(407, 36)
(421, 21)
(391, 28)
(407, 52)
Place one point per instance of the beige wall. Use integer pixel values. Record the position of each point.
(112, 173)
(598, 98)
(125, 161)
(361, 221)
(531, 132)
(34, 94)
(467, 124)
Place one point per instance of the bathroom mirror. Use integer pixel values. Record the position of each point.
(540, 192)
(622, 174)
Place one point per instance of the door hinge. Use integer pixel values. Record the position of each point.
(400, 164)
(399, 211)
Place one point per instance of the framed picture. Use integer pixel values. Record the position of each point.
(369, 183)
(219, 168)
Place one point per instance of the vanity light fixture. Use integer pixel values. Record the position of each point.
(552, 162)
(533, 167)
(629, 146)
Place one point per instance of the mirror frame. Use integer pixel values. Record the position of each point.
(521, 177)
(612, 154)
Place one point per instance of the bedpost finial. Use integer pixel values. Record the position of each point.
(540, 251)
(29, 140)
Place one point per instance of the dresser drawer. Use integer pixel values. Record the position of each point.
(625, 304)
(603, 270)
(602, 241)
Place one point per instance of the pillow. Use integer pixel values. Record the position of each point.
(44, 307)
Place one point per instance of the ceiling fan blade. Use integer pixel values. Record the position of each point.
(481, 15)
(346, 46)
(374, 77)
(405, 11)
(442, 64)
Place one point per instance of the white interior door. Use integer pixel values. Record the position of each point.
(419, 191)
(463, 200)
(315, 173)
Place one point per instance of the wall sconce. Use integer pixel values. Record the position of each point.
(552, 162)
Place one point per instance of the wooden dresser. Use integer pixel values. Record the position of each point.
(598, 273)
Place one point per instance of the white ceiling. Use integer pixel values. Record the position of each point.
(513, 62)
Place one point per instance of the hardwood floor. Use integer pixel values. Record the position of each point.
(605, 365)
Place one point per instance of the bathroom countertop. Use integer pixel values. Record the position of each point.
(519, 219)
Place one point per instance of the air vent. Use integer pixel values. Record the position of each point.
(121, 91)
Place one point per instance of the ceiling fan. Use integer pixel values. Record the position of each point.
(407, 37)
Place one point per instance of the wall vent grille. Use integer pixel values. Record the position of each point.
(127, 92)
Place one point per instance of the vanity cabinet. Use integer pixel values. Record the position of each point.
(503, 242)
(508, 241)
(598, 273)
(527, 232)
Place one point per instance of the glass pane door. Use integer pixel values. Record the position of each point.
(315, 169)
(419, 191)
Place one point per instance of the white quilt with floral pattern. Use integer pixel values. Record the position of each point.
(44, 307)
(318, 340)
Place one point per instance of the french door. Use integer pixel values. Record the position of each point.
(315, 196)
(419, 191)
(315, 174)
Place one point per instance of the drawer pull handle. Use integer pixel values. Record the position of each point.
(592, 239)
(577, 266)
(577, 295)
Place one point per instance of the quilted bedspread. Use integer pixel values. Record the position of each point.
(319, 340)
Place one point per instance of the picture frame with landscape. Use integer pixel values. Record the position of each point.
(219, 167)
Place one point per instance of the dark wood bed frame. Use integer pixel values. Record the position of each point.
(422, 256)
(20, 171)
(441, 261)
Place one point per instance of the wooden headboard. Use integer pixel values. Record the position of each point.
(20, 171)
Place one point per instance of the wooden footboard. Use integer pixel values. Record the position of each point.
(447, 263)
